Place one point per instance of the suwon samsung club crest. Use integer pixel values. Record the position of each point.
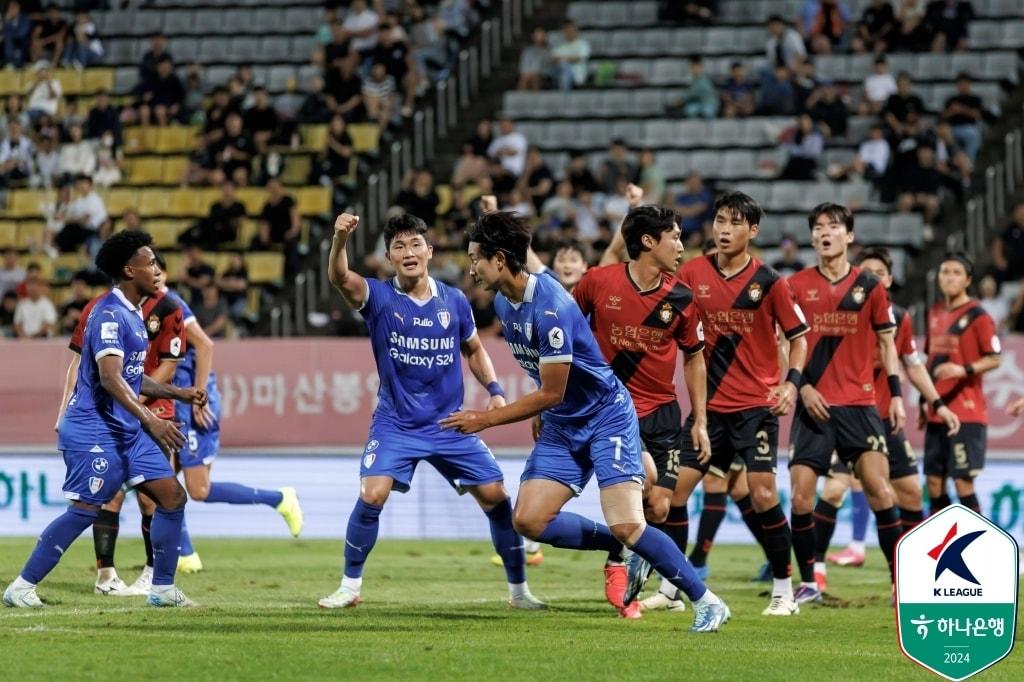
(956, 593)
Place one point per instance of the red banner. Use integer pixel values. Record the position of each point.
(322, 392)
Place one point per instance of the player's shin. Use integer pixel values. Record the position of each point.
(889, 531)
(166, 535)
(360, 537)
(778, 542)
(711, 516)
(803, 545)
(54, 541)
(507, 543)
(750, 517)
(147, 537)
(824, 528)
(104, 538)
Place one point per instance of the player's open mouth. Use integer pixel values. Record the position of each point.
(825, 243)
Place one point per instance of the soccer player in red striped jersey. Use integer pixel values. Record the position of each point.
(962, 345)
(641, 316)
(742, 303)
(849, 314)
(903, 470)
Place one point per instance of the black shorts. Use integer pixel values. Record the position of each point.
(960, 456)
(849, 432)
(747, 438)
(662, 435)
(902, 458)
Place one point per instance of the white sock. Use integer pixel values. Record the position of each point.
(162, 588)
(518, 590)
(106, 574)
(21, 584)
(668, 589)
(819, 567)
(708, 599)
(810, 584)
(782, 587)
(531, 546)
(857, 546)
(354, 584)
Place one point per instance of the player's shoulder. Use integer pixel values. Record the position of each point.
(975, 311)
(901, 315)
(549, 294)
(165, 306)
(449, 293)
(803, 277)
(864, 278)
(604, 275)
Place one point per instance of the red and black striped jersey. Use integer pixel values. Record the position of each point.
(639, 331)
(906, 349)
(962, 336)
(845, 318)
(165, 326)
(740, 313)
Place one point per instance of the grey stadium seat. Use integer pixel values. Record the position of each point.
(183, 22)
(274, 49)
(214, 50)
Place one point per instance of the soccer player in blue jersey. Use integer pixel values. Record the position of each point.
(588, 425)
(108, 437)
(418, 327)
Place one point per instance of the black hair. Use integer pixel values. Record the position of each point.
(115, 253)
(775, 19)
(570, 245)
(962, 258)
(962, 76)
(643, 221)
(33, 266)
(837, 212)
(160, 261)
(879, 253)
(402, 224)
(505, 232)
(742, 205)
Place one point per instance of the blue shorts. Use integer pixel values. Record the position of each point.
(202, 445)
(463, 460)
(606, 443)
(95, 477)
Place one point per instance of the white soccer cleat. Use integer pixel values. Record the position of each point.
(343, 598)
(168, 596)
(781, 606)
(660, 600)
(22, 597)
(526, 602)
(143, 584)
(115, 587)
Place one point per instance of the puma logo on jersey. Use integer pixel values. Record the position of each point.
(400, 317)
(552, 313)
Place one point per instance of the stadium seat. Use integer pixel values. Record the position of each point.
(314, 201)
(253, 198)
(97, 79)
(152, 203)
(365, 137)
(28, 203)
(120, 199)
(265, 268)
(173, 169)
(172, 139)
(144, 170)
(296, 170)
(165, 232)
(8, 233)
(10, 82)
(314, 137)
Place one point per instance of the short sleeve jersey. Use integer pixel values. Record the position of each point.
(165, 327)
(548, 327)
(845, 317)
(417, 348)
(78, 334)
(740, 314)
(639, 332)
(962, 336)
(93, 418)
(906, 349)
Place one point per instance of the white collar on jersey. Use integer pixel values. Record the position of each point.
(531, 286)
(430, 281)
(124, 299)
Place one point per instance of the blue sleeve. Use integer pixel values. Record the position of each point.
(555, 323)
(376, 298)
(105, 333)
(467, 325)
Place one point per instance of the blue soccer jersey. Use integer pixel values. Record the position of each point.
(549, 327)
(417, 348)
(93, 417)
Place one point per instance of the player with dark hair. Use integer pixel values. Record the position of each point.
(849, 315)
(569, 264)
(903, 471)
(418, 326)
(962, 345)
(589, 424)
(108, 437)
(641, 316)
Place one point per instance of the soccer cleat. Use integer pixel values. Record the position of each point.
(781, 606)
(614, 584)
(168, 596)
(22, 597)
(710, 617)
(806, 594)
(527, 602)
(532, 559)
(343, 598)
(631, 612)
(638, 570)
(764, 575)
(190, 563)
(144, 583)
(702, 572)
(660, 600)
(115, 587)
(846, 557)
(290, 510)
(821, 581)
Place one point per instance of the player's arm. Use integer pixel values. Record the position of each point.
(69, 386)
(891, 364)
(554, 376)
(951, 370)
(793, 357)
(695, 374)
(616, 251)
(164, 372)
(164, 433)
(918, 375)
(479, 361)
(351, 285)
(154, 389)
(198, 339)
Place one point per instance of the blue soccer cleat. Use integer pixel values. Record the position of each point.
(710, 617)
(807, 594)
(702, 572)
(764, 575)
(638, 570)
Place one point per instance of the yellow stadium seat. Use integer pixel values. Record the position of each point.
(219, 261)
(59, 295)
(444, 196)
(314, 137)
(173, 169)
(10, 83)
(8, 233)
(250, 228)
(94, 80)
(140, 139)
(70, 81)
(28, 203)
(31, 234)
(174, 263)
(314, 200)
(152, 202)
(252, 298)
(165, 232)
(174, 139)
(265, 268)
(45, 264)
(145, 170)
(296, 170)
(253, 199)
(469, 193)
(365, 137)
(120, 199)
(184, 203)
(67, 264)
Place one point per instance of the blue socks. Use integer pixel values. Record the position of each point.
(361, 536)
(185, 543)
(669, 562)
(861, 514)
(507, 542)
(235, 493)
(54, 541)
(572, 531)
(165, 534)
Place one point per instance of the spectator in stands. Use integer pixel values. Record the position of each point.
(234, 152)
(948, 21)
(429, 46)
(650, 177)
(482, 137)
(326, 28)
(879, 86)
(950, 156)
(46, 162)
(162, 97)
(11, 274)
(588, 227)
(871, 160)
(85, 220)
(202, 166)
(362, 25)
(804, 146)
(35, 316)
(71, 311)
(261, 120)
(15, 155)
(737, 93)
(241, 86)
(72, 115)
(616, 205)
(212, 312)
(77, 156)
(828, 111)
(1007, 249)
(130, 220)
(990, 301)
(394, 55)
(920, 185)
(910, 34)
(824, 24)
(805, 82)
(963, 112)
(33, 273)
(315, 108)
(559, 210)
(700, 99)
(217, 115)
(776, 97)
(788, 261)
(694, 205)
(148, 65)
(344, 90)
(46, 94)
(196, 273)
(876, 23)
(335, 161)
(534, 61)
(502, 180)
(379, 95)
(103, 118)
(84, 46)
(418, 195)
(280, 223)
(222, 224)
(902, 105)
(48, 36)
(469, 167)
(192, 107)
(616, 167)
(14, 109)
(784, 47)
(510, 147)
(109, 160)
(339, 45)
(9, 304)
(537, 182)
(17, 33)
(570, 58)
(233, 284)
(1016, 323)
(691, 12)
(578, 173)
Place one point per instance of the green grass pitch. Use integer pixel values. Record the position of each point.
(436, 611)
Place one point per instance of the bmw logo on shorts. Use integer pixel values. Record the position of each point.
(100, 465)
(372, 445)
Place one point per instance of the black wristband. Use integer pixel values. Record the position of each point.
(936, 404)
(895, 386)
(794, 377)
(969, 370)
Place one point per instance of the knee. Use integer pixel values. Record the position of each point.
(763, 497)
(177, 501)
(527, 525)
(198, 491)
(490, 496)
(374, 496)
(803, 503)
(628, 533)
(656, 510)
